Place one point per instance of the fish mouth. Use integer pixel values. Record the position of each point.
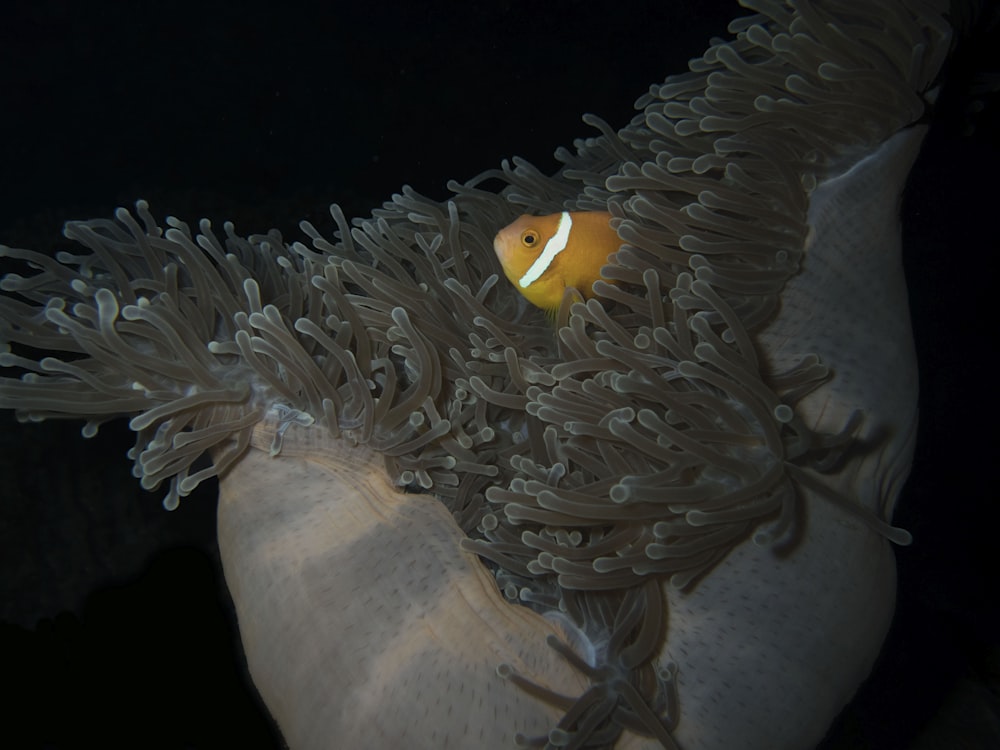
(502, 250)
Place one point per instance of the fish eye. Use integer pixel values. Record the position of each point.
(529, 238)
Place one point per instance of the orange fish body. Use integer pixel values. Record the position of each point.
(543, 255)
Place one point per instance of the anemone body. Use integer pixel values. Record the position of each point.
(445, 523)
(316, 541)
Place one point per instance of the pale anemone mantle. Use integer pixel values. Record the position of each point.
(613, 473)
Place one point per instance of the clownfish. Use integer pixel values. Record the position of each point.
(543, 255)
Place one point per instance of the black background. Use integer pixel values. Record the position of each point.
(115, 626)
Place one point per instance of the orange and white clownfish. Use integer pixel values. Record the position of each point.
(543, 255)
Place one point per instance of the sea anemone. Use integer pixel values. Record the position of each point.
(726, 428)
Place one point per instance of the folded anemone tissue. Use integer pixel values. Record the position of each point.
(609, 450)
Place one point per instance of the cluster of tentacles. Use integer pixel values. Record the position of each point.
(639, 439)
